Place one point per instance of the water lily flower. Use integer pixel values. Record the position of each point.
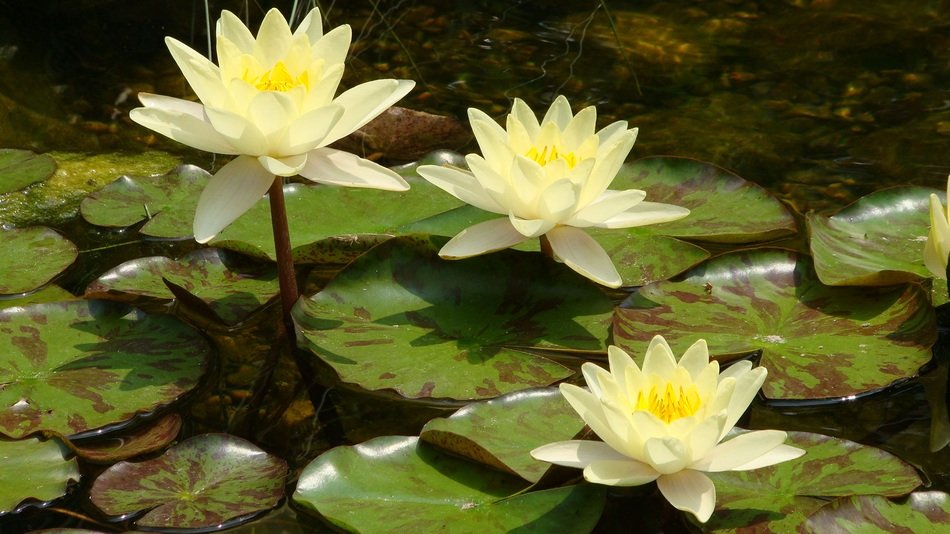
(270, 101)
(666, 423)
(550, 180)
(937, 248)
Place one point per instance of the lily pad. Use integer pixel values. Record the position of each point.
(167, 201)
(32, 257)
(334, 224)
(230, 285)
(20, 168)
(501, 431)
(34, 472)
(779, 498)
(817, 342)
(210, 480)
(400, 318)
(144, 439)
(398, 484)
(878, 240)
(921, 511)
(49, 293)
(73, 367)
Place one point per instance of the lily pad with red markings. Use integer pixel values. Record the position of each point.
(780, 498)
(921, 511)
(878, 240)
(400, 318)
(500, 432)
(34, 472)
(151, 437)
(77, 366)
(209, 480)
(32, 257)
(230, 285)
(166, 201)
(20, 168)
(817, 341)
(399, 484)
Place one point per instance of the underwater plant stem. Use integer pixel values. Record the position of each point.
(285, 260)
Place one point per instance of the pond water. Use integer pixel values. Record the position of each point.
(818, 101)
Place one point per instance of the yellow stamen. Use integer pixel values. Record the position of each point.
(549, 154)
(670, 403)
(280, 79)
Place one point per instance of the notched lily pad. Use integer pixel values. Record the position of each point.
(400, 318)
(34, 472)
(151, 437)
(166, 201)
(878, 240)
(398, 484)
(210, 480)
(817, 342)
(921, 511)
(20, 168)
(231, 286)
(501, 431)
(779, 498)
(32, 257)
(77, 366)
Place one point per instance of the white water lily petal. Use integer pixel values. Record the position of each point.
(622, 366)
(645, 213)
(336, 167)
(696, 358)
(739, 450)
(202, 75)
(488, 236)
(491, 138)
(241, 133)
(312, 26)
(580, 252)
(461, 185)
(183, 127)
(230, 192)
(609, 134)
(608, 163)
(231, 28)
(309, 131)
(591, 411)
(529, 227)
(558, 113)
(620, 473)
(365, 102)
(666, 455)
(937, 247)
(747, 387)
(690, 491)
(782, 453)
(580, 127)
(576, 453)
(598, 380)
(659, 359)
(609, 205)
(288, 166)
(273, 38)
(333, 45)
(524, 115)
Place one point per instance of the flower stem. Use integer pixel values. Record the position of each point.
(285, 261)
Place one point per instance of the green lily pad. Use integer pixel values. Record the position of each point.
(210, 480)
(32, 257)
(334, 224)
(400, 318)
(230, 285)
(398, 484)
(49, 293)
(143, 439)
(34, 471)
(877, 241)
(817, 342)
(501, 431)
(922, 511)
(72, 367)
(167, 201)
(779, 498)
(20, 168)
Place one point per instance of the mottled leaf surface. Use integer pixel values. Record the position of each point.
(398, 484)
(49, 293)
(878, 240)
(779, 498)
(334, 224)
(34, 469)
(923, 511)
(144, 439)
(401, 318)
(232, 286)
(500, 432)
(202, 482)
(31, 257)
(20, 168)
(166, 201)
(71, 367)
(817, 341)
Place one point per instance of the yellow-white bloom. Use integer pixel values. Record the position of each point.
(665, 423)
(270, 101)
(937, 248)
(548, 178)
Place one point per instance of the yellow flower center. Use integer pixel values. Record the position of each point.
(280, 79)
(669, 403)
(549, 154)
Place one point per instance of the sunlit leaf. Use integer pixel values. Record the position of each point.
(210, 480)
(34, 471)
(71, 367)
(817, 341)
(20, 168)
(921, 511)
(397, 484)
(401, 318)
(500, 432)
(32, 257)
